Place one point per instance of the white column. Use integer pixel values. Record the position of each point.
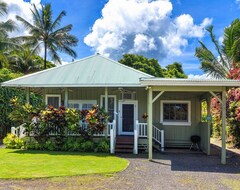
(136, 129)
(66, 97)
(223, 155)
(149, 121)
(106, 106)
(208, 125)
(28, 95)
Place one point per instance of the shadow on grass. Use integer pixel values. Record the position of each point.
(63, 153)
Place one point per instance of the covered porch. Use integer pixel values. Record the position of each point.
(209, 88)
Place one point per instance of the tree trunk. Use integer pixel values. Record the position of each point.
(45, 55)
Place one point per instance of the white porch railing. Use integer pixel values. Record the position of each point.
(141, 130)
(158, 136)
(20, 130)
(113, 133)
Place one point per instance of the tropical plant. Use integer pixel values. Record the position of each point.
(25, 61)
(228, 53)
(12, 141)
(5, 28)
(233, 105)
(6, 94)
(47, 33)
(217, 67)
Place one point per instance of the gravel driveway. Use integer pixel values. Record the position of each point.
(167, 171)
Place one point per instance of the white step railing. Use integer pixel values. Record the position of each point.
(113, 133)
(158, 136)
(19, 131)
(141, 130)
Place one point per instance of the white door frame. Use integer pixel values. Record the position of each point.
(120, 103)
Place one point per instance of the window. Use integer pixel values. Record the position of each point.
(111, 106)
(53, 100)
(82, 104)
(175, 112)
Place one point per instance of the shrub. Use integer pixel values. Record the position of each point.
(12, 141)
(50, 145)
(73, 144)
(87, 146)
(103, 146)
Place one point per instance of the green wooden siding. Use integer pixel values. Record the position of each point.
(175, 136)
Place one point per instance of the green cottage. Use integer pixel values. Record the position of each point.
(145, 111)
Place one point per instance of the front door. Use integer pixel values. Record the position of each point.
(127, 117)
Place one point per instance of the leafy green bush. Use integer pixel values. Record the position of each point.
(50, 145)
(12, 141)
(87, 146)
(103, 146)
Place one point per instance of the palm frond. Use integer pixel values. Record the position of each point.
(58, 20)
(3, 8)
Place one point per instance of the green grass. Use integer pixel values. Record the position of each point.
(37, 164)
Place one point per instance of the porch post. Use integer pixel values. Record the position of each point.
(149, 122)
(223, 156)
(106, 108)
(28, 95)
(208, 125)
(66, 97)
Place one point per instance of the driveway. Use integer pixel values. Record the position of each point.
(166, 171)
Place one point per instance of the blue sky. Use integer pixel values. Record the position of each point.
(169, 33)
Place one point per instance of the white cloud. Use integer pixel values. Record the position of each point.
(22, 9)
(143, 26)
(237, 2)
(203, 76)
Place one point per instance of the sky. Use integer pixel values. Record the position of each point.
(167, 30)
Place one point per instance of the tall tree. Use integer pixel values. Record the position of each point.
(152, 67)
(48, 33)
(227, 54)
(5, 28)
(25, 61)
(174, 70)
(139, 62)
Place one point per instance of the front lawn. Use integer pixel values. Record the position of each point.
(35, 164)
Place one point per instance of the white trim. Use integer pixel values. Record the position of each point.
(81, 102)
(120, 103)
(115, 103)
(53, 95)
(188, 102)
(188, 82)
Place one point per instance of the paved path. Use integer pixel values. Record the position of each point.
(166, 171)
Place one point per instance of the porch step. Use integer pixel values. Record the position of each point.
(124, 144)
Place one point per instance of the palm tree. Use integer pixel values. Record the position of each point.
(5, 28)
(217, 67)
(46, 32)
(25, 61)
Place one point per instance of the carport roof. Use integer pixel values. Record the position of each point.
(189, 82)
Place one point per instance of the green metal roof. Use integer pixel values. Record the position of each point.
(93, 71)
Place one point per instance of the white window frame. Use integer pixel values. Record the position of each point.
(81, 102)
(53, 95)
(177, 123)
(115, 103)
(120, 115)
